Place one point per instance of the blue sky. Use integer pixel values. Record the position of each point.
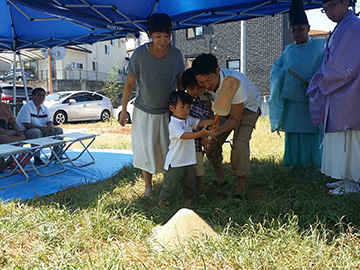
(319, 21)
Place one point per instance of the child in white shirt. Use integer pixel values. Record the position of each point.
(181, 155)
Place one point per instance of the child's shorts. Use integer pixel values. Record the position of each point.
(199, 166)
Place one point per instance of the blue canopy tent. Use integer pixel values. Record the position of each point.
(24, 27)
(133, 15)
(111, 14)
(49, 23)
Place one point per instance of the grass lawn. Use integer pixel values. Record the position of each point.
(288, 222)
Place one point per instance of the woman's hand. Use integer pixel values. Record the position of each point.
(123, 118)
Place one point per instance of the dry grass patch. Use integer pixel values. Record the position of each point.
(112, 135)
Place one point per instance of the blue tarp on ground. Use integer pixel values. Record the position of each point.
(107, 163)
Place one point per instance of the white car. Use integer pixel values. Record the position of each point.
(129, 109)
(69, 106)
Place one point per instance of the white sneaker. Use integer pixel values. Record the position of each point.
(347, 187)
(335, 184)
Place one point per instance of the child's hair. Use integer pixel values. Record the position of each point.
(204, 64)
(181, 95)
(160, 22)
(188, 79)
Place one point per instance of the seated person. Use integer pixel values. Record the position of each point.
(9, 129)
(35, 119)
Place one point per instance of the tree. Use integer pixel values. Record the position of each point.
(114, 85)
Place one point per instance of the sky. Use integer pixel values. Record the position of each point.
(319, 21)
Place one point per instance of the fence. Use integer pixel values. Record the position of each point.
(264, 105)
(77, 74)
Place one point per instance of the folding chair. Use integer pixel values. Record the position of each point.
(74, 137)
(7, 150)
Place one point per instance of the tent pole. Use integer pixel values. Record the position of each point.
(14, 83)
(243, 48)
(23, 76)
(50, 79)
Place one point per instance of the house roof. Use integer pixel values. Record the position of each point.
(35, 54)
(318, 32)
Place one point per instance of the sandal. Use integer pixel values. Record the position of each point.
(238, 197)
(217, 184)
(148, 192)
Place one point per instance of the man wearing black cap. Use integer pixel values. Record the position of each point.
(334, 99)
(288, 103)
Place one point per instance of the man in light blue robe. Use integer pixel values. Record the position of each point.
(288, 103)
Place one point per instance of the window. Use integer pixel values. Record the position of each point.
(96, 97)
(119, 42)
(94, 65)
(112, 42)
(233, 64)
(84, 97)
(189, 61)
(195, 32)
(76, 65)
(107, 49)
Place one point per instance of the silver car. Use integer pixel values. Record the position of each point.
(129, 108)
(69, 106)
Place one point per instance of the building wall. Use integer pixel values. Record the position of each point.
(80, 65)
(264, 44)
(4, 66)
(266, 38)
(104, 62)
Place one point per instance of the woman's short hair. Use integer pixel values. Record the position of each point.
(160, 22)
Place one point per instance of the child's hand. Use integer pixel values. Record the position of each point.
(205, 140)
(208, 133)
(215, 128)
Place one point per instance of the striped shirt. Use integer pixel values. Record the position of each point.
(199, 110)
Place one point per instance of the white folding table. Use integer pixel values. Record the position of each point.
(85, 141)
(39, 144)
(63, 142)
(7, 150)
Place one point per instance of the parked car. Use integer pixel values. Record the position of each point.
(30, 75)
(8, 95)
(129, 111)
(70, 106)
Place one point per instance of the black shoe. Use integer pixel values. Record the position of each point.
(240, 197)
(52, 157)
(217, 184)
(38, 161)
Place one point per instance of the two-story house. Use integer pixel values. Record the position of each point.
(83, 67)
